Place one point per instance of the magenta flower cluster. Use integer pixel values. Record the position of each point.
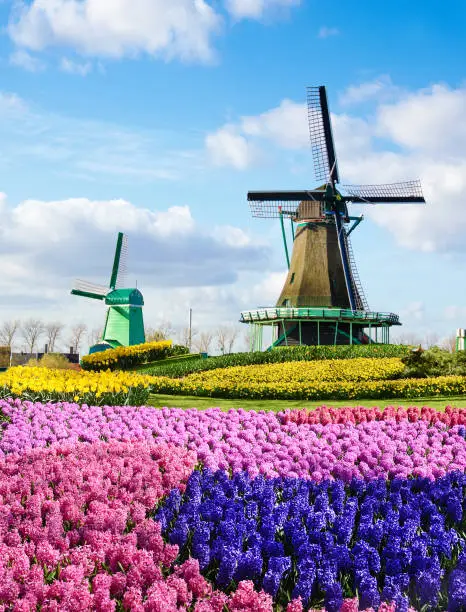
(360, 414)
(258, 443)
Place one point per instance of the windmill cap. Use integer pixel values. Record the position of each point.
(124, 297)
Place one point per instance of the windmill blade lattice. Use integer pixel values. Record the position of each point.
(407, 192)
(87, 287)
(271, 210)
(320, 131)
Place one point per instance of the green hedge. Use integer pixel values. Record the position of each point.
(170, 361)
(278, 355)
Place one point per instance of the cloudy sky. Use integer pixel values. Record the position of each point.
(155, 118)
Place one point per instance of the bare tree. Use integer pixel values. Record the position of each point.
(32, 330)
(164, 331)
(409, 338)
(449, 343)
(77, 333)
(94, 335)
(226, 336)
(431, 339)
(8, 331)
(53, 332)
(185, 338)
(204, 342)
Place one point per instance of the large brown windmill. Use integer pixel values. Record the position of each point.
(322, 301)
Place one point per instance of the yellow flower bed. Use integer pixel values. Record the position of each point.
(301, 372)
(339, 379)
(96, 388)
(128, 356)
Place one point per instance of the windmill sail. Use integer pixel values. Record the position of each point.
(320, 130)
(87, 289)
(267, 204)
(408, 192)
(119, 269)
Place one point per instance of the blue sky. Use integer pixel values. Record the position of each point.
(157, 118)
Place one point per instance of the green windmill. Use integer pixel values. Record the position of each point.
(124, 324)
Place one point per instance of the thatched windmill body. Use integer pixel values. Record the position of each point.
(124, 325)
(322, 300)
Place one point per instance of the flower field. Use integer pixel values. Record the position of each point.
(44, 384)
(131, 508)
(310, 380)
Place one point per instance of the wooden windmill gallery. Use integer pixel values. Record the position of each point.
(322, 301)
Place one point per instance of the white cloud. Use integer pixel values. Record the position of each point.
(426, 131)
(413, 311)
(238, 145)
(233, 236)
(379, 90)
(72, 67)
(255, 9)
(431, 120)
(11, 103)
(226, 147)
(117, 28)
(25, 60)
(326, 32)
(167, 247)
(284, 125)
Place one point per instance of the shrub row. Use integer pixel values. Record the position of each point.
(126, 357)
(279, 355)
(434, 362)
(314, 390)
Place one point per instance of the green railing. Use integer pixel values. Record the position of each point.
(331, 314)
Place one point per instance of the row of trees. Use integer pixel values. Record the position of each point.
(427, 341)
(31, 335)
(223, 339)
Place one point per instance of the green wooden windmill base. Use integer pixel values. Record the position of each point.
(124, 324)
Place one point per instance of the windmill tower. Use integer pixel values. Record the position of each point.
(124, 324)
(322, 300)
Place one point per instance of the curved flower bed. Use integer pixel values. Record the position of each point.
(207, 384)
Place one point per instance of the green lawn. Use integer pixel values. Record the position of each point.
(202, 403)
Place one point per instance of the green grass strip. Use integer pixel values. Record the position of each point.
(203, 403)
